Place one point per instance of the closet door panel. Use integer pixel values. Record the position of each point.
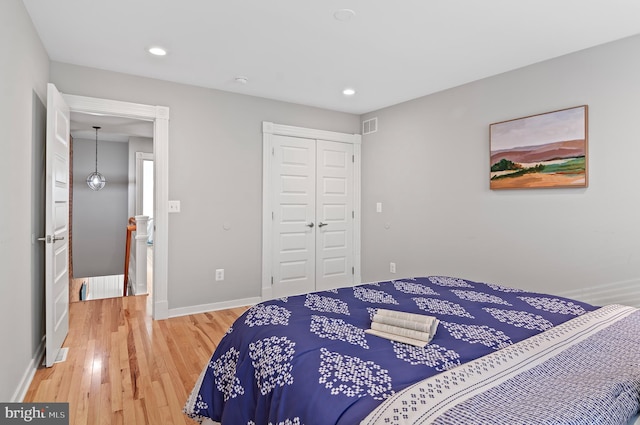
(334, 215)
(294, 178)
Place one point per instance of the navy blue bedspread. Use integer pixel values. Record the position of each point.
(307, 360)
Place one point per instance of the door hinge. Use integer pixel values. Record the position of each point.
(353, 158)
(272, 280)
(272, 215)
(353, 270)
(273, 151)
(353, 214)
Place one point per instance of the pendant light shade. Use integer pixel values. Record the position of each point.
(95, 180)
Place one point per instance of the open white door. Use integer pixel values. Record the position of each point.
(56, 224)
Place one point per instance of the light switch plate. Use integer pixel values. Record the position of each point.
(174, 206)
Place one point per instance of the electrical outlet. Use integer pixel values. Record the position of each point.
(219, 274)
(392, 267)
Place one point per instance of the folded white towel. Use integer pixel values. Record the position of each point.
(398, 338)
(410, 328)
(423, 326)
(396, 330)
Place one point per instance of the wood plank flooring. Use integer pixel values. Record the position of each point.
(125, 368)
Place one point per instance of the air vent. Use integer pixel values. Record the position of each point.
(370, 126)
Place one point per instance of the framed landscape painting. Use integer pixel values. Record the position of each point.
(539, 151)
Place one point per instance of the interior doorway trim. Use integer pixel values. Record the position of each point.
(159, 115)
(270, 129)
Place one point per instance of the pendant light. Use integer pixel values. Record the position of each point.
(95, 180)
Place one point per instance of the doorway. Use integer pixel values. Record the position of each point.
(311, 210)
(159, 117)
(145, 206)
(100, 219)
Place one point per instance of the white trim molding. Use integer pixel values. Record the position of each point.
(159, 115)
(204, 308)
(310, 133)
(270, 129)
(27, 377)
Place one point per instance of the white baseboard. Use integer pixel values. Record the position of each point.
(203, 308)
(27, 377)
(626, 292)
(161, 310)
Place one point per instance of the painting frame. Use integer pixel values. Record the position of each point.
(547, 150)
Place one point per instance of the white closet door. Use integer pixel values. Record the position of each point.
(334, 215)
(294, 227)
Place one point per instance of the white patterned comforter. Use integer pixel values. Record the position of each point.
(585, 371)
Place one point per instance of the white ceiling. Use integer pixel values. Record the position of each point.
(294, 50)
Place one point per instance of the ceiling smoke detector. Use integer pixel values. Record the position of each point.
(242, 80)
(344, 15)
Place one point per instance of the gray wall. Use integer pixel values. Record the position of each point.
(24, 66)
(215, 170)
(100, 218)
(429, 166)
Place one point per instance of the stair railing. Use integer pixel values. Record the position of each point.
(135, 263)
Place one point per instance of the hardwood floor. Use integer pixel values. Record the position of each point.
(124, 368)
(74, 289)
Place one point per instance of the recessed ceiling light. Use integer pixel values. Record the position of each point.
(157, 51)
(348, 92)
(344, 15)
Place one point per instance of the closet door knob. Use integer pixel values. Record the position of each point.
(310, 224)
(321, 224)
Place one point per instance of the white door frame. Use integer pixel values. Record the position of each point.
(159, 115)
(270, 129)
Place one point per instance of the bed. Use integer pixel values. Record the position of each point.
(499, 355)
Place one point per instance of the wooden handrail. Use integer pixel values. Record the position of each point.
(130, 229)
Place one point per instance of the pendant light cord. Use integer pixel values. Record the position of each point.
(95, 180)
(97, 128)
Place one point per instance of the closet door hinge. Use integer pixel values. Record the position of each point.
(353, 270)
(353, 214)
(353, 158)
(273, 151)
(272, 280)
